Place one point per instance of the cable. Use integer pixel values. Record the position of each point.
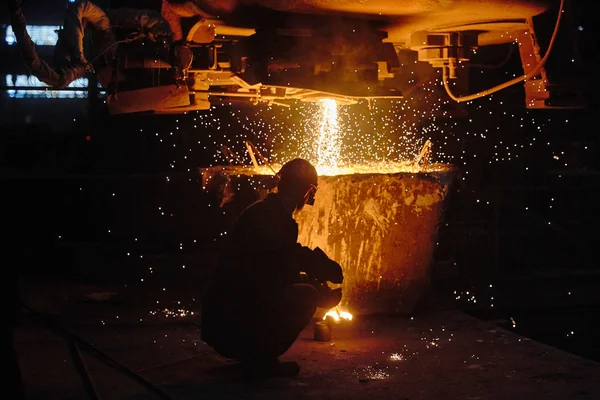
(504, 85)
(132, 37)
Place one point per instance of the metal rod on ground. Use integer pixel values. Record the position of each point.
(99, 355)
(83, 371)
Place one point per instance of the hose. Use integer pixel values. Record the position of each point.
(514, 81)
(132, 37)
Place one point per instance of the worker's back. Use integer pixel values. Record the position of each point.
(254, 265)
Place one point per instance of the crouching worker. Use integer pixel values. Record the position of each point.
(267, 286)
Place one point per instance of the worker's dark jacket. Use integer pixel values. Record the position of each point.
(261, 258)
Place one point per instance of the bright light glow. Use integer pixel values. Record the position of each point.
(32, 81)
(338, 315)
(380, 167)
(42, 35)
(341, 140)
(328, 143)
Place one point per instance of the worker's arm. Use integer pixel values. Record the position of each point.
(327, 269)
(148, 22)
(315, 263)
(275, 241)
(78, 16)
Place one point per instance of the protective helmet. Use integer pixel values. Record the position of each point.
(300, 176)
(298, 170)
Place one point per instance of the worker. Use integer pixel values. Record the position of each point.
(267, 286)
(70, 62)
(162, 27)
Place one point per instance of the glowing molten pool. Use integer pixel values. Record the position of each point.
(371, 168)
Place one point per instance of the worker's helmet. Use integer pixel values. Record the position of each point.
(299, 176)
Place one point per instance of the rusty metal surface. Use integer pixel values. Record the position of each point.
(382, 229)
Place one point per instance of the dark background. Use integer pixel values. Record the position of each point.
(84, 192)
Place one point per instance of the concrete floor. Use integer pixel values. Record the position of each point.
(443, 354)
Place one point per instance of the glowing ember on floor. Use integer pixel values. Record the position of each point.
(338, 315)
(172, 313)
(371, 373)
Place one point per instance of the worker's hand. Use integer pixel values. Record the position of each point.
(328, 270)
(329, 298)
(320, 253)
(333, 272)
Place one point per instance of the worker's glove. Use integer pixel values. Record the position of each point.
(329, 298)
(328, 270)
(80, 63)
(89, 68)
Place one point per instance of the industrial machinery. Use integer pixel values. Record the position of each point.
(279, 52)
